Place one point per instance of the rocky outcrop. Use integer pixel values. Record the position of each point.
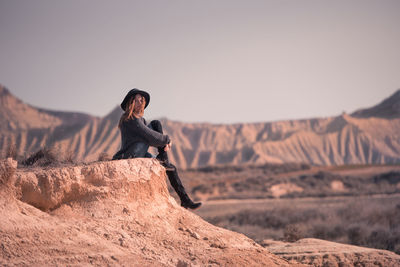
(7, 171)
(318, 252)
(110, 213)
(49, 189)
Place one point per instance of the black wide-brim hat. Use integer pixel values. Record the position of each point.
(132, 93)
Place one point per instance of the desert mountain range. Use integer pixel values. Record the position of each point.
(366, 136)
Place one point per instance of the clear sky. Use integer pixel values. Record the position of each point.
(220, 61)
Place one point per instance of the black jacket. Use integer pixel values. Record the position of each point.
(136, 137)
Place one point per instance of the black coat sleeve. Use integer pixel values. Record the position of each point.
(151, 137)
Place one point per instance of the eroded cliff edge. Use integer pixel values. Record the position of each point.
(115, 213)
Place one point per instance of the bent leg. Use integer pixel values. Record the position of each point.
(172, 172)
(156, 126)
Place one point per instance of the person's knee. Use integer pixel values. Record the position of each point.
(174, 168)
(156, 125)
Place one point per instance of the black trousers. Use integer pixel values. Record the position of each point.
(172, 175)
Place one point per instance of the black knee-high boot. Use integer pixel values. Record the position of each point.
(172, 172)
(176, 183)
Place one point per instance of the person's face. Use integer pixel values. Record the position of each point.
(140, 100)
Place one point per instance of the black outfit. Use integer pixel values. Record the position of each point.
(136, 138)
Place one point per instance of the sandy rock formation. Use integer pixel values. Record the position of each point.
(318, 252)
(7, 170)
(110, 213)
(368, 136)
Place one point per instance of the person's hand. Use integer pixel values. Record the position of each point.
(168, 146)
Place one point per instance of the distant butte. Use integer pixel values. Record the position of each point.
(388, 108)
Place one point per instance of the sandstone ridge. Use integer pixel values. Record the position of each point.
(367, 136)
(110, 213)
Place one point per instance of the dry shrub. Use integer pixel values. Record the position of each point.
(203, 189)
(356, 235)
(69, 156)
(44, 157)
(268, 168)
(104, 157)
(292, 233)
(328, 231)
(397, 249)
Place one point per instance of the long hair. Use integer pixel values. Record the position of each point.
(128, 114)
(130, 110)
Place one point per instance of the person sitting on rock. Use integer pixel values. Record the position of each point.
(137, 136)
